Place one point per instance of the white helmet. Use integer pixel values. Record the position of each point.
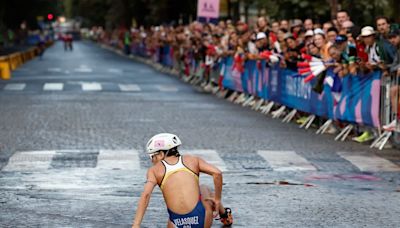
(163, 141)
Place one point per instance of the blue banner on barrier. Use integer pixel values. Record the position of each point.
(352, 99)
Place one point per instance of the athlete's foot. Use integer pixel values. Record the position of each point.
(226, 218)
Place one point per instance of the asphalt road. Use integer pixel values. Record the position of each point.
(73, 128)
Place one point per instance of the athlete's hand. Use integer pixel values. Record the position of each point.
(217, 205)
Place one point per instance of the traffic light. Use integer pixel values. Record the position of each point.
(50, 16)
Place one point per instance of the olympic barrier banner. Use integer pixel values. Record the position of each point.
(352, 99)
(356, 101)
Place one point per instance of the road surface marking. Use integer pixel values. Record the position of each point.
(91, 86)
(83, 69)
(211, 156)
(53, 86)
(286, 161)
(115, 71)
(118, 159)
(54, 69)
(29, 161)
(129, 87)
(15, 86)
(369, 162)
(164, 88)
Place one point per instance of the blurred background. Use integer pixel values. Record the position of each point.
(18, 17)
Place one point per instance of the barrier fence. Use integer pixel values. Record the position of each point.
(12, 61)
(356, 101)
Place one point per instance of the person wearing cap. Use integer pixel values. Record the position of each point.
(348, 51)
(373, 50)
(308, 37)
(262, 42)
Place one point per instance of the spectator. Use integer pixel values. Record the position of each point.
(292, 55)
(262, 42)
(308, 37)
(326, 26)
(331, 35)
(296, 27)
(308, 24)
(275, 27)
(262, 25)
(313, 50)
(284, 24)
(348, 54)
(386, 50)
(341, 17)
(382, 26)
(394, 38)
(323, 46)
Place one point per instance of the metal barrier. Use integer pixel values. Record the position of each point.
(389, 113)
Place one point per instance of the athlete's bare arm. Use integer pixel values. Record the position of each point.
(145, 197)
(212, 170)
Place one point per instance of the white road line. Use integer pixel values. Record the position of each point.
(369, 162)
(54, 69)
(211, 156)
(15, 86)
(84, 70)
(118, 159)
(115, 71)
(129, 87)
(164, 88)
(286, 161)
(91, 86)
(53, 86)
(29, 161)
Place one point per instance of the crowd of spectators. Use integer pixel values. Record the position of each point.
(344, 46)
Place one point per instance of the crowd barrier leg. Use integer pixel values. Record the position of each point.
(258, 104)
(233, 96)
(267, 108)
(248, 101)
(344, 133)
(278, 113)
(222, 93)
(289, 116)
(381, 140)
(307, 124)
(324, 127)
(240, 99)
